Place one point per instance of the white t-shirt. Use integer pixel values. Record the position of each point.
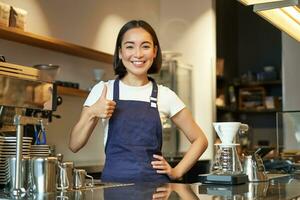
(167, 101)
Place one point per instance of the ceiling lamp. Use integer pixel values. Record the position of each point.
(284, 14)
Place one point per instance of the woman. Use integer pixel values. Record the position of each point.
(132, 107)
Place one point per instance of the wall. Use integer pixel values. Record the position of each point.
(90, 23)
(95, 24)
(291, 95)
(259, 42)
(193, 33)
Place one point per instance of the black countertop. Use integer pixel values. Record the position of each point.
(287, 187)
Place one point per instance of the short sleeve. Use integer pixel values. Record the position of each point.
(94, 95)
(169, 103)
(176, 104)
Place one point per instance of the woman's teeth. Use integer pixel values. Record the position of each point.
(137, 62)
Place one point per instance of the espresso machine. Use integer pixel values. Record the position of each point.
(226, 167)
(24, 89)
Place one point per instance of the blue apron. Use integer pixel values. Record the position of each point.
(134, 135)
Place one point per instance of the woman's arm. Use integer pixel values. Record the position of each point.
(184, 191)
(103, 108)
(185, 122)
(82, 130)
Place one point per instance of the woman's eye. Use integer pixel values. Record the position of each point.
(129, 47)
(146, 47)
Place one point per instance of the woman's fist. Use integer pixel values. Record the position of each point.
(103, 107)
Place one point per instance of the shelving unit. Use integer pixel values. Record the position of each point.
(54, 44)
(271, 88)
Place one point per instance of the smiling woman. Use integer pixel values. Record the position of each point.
(131, 108)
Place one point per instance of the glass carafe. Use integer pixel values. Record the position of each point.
(227, 160)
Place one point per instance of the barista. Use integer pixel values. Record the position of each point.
(131, 108)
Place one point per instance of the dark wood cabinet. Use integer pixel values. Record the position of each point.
(248, 45)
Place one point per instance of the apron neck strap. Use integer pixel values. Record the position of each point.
(116, 89)
(153, 97)
(154, 88)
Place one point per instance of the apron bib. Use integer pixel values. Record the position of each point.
(134, 135)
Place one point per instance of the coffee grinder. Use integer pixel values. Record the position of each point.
(226, 167)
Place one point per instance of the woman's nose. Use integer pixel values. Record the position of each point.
(138, 53)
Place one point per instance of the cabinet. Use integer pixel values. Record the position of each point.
(54, 44)
(249, 45)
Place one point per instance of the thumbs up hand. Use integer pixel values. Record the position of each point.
(103, 107)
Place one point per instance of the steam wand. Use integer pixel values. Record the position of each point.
(19, 122)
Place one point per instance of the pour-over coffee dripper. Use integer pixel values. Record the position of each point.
(228, 130)
(227, 160)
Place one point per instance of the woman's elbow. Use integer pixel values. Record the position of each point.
(74, 147)
(204, 141)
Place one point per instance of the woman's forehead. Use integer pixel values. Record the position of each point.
(137, 34)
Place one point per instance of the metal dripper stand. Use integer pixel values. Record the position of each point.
(24, 89)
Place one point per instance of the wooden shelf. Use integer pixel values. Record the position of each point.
(71, 91)
(259, 83)
(226, 109)
(20, 36)
(229, 109)
(258, 110)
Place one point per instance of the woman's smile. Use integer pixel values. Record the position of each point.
(138, 63)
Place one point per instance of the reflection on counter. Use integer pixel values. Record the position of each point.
(276, 188)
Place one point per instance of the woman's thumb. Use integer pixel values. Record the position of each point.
(104, 92)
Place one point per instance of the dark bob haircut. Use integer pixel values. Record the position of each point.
(119, 68)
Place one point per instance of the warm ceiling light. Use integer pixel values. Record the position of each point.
(252, 2)
(293, 12)
(286, 18)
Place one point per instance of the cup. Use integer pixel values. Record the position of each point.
(80, 178)
(65, 176)
(98, 74)
(253, 166)
(43, 171)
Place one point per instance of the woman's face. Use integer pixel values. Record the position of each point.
(137, 51)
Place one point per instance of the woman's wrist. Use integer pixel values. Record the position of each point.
(176, 174)
(90, 113)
